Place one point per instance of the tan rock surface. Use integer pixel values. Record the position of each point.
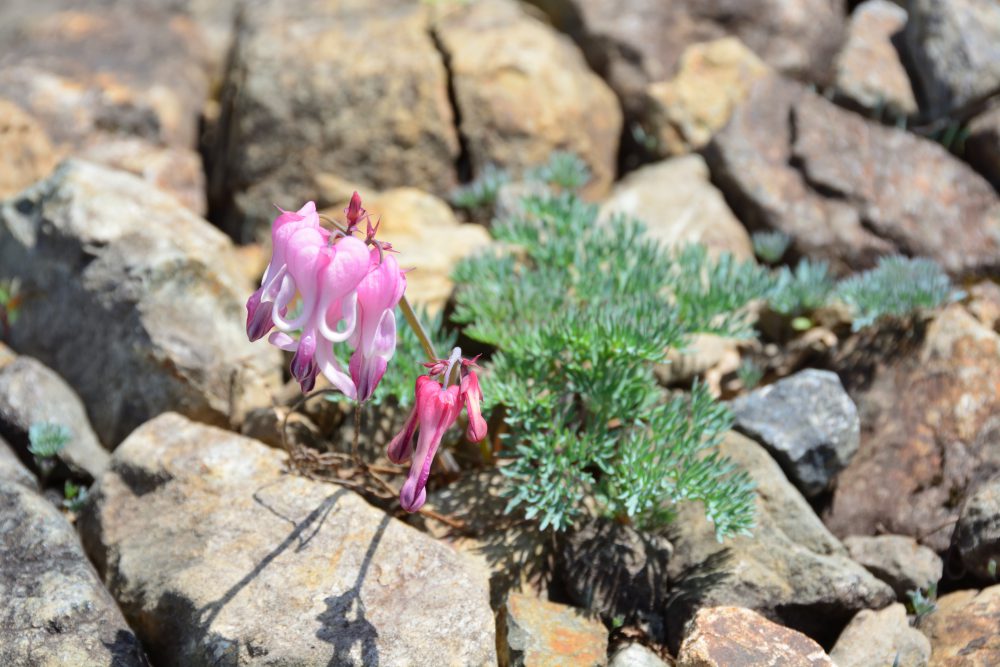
(963, 630)
(538, 632)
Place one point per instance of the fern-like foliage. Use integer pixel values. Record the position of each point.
(803, 290)
(47, 439)
(770, 247)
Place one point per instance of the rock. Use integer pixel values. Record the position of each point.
(881, 639)
(26, 154)
(428, 238)
(522, 92)
(632, 48)
(31, 394)
(977, 534)
(725, 636)
(383, 120)
(955, 49)
(678, 204)
(897, 560)
(53, 609)
(963, 630)
(12, 470)
(918, 457)
(215, 553)
(807, 422)
(682, 113)
(848, 190)
(982, 146)
(531, 631)
(635, 655)
(869, 69)
(136, 302)
(705, 356)
(614, 570)
(792, 570)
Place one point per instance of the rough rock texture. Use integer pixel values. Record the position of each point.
(635, 655)
(531, 631)
(849, 190)
(216, 554)
(792, 570)
(54, 610)
(682, 113)
(631, 49)
(807, 422)
(729, 636)
(881, 639)
(897, 560)
(955, 48)
(977, 534)
(869, 69)
(982, 146)
(678, 205)
(428, 237)
(918, 457)
(963, 630)
(383, 120)
(26, 154)
(30, 394)
(523, 91)
(614, 570)
(136, 302)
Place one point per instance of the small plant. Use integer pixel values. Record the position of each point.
(74, 497)
(922, 604)
(800, 292)
(896, 287)
(770, 247)
(45, 441)
(565, 170)
(10, 305)
(481, 193)
(749, 373)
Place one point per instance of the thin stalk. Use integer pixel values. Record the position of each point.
(357, 435)
(418, 328)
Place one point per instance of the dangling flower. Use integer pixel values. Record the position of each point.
(437, 408)
(374, 339)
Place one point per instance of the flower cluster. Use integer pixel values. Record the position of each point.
(449, 384)
(347, 290)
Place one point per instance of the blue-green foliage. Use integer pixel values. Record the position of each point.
(579, 312)
(770, 247)
(47, 439)
(482, 192)
(803, 290)
(564, 170)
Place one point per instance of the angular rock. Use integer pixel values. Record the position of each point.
(217, 554)
(963, 630)
(428, 238)
(955, 49)
(881, 638)
(919, 457)
(982, 146)
(635, 655)
(792, 570)
(135, 301)
(383, 120)
(26, 154)
(31, 394)
(531, 631)
(807, 422)
(523, 91)
(897, 560)
(54, 611)
(682, 113)
(725, 636)
(678, 204)
(869, 69)
(12, 470)
(848, 190)
(977, 534)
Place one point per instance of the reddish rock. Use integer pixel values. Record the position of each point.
(531, 631)
(963, 630)
(26, 154)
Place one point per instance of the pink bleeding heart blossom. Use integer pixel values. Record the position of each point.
(438, 406)
(374, 338)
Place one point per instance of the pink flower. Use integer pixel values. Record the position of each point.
(374, 338)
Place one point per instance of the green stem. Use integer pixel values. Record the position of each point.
(418, 328)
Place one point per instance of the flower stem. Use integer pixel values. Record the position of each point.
(418, 328)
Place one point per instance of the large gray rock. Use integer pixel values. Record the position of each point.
(792, 570)
(807, 422)
(136, 302)
(977, 534)
(218, 556)
(880, 638)
(849, 190)
(955, 49)
(54, 611)
(897, 560)
(31, 394)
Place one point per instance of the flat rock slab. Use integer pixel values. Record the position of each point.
(219, 557)
(54, 611)
(539, 632)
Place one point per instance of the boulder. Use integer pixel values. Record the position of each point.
(897, 560)
(727, 636)
(977, 534)
(870, 71)
(217, 554)
(881, 639)
(636, 655)
(807, 422)
(678, 204)
(982, 146)
(963, 629)
(26, 153)
(12, 470)
(523, 91)
(531, 631)
(136, 302)
(849, 190)
(792, 570)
